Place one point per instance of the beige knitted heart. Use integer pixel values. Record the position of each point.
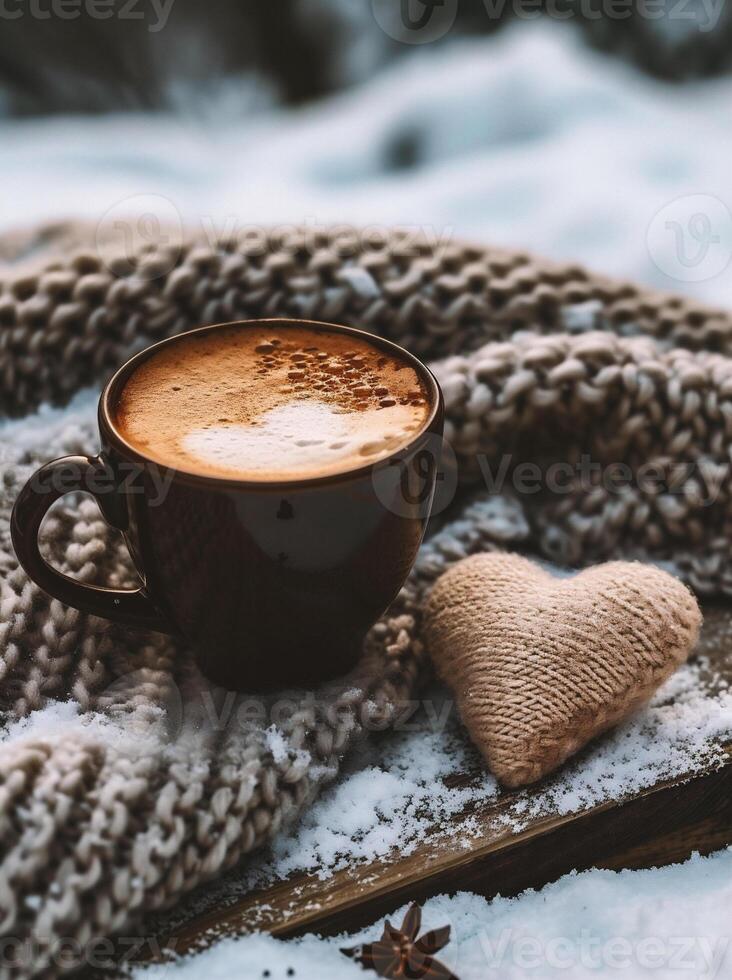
(540, 665)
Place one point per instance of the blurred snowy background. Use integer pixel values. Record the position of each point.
(597, 131)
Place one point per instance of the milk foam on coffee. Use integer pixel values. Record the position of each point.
(257, 403)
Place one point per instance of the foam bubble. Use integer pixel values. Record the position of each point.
(282, 440)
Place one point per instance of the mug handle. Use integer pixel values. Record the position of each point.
(133, 607)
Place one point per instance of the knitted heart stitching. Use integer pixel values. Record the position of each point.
(539, 665)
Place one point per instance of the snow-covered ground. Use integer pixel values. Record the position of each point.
(526, 139)
(668, 924)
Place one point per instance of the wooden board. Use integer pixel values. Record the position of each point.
(663, 824)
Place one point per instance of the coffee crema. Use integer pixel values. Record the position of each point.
(271, 403)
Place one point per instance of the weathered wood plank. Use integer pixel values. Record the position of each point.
(660, 825)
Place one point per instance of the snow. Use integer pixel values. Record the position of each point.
(59, 718)
(396, 792)
(525, 139)
(393, 796)
(664, 923)
(679, 732)
(399, 791)
(281, 749)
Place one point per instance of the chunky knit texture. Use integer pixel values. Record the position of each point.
(146, 797)
(540, 665)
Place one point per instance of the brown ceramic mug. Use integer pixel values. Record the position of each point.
(209, 550)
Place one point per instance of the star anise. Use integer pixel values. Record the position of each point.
(399, 954)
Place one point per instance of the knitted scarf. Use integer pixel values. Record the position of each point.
(151, 782)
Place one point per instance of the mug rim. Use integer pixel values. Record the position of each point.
(112, 437)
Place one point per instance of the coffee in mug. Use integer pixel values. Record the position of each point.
(272, 480)
(258, 404)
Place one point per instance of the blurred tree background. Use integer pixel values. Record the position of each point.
(293, 51)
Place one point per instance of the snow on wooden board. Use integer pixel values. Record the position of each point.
(418, 815)
(669, 923)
